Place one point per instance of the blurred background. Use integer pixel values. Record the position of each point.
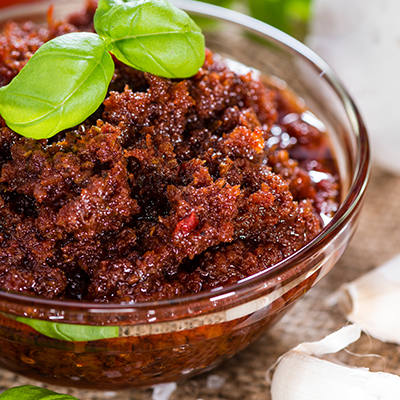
(290, 16)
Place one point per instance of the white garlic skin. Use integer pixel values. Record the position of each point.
(300, 376)
(372, 301)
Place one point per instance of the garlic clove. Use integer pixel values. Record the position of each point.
(332, 343)
(300, 375)
(372, 301)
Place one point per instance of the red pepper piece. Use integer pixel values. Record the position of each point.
(186, 225)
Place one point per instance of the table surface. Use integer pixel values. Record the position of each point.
(312, 317)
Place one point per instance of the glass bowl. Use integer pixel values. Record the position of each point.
(114, 346)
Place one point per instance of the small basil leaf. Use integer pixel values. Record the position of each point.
(69, 332)
(63, 83)
(29, 392)
(152, 36)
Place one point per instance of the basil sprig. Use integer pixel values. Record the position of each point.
(70, 332)
(66, 80)
(29, 392)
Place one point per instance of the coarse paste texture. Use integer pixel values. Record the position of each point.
(172, 187)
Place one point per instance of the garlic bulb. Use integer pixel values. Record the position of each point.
(372, 301)
(300, 375)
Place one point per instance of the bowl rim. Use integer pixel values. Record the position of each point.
(350, 204)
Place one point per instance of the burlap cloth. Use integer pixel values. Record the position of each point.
(376, 240)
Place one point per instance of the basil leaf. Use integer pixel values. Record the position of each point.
(70, 332)
(29, 392)
(152, 36)
(63, 83)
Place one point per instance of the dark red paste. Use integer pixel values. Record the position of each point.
(172, 187)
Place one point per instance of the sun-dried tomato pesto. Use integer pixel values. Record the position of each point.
(172, 187)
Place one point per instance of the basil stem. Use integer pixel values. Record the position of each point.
(29, 392)
(70, 332)
(64, 82)
(152, 36)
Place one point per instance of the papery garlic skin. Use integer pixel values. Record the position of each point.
(300, 375)
(375, 301)
(332, 343)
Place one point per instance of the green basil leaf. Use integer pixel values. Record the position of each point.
(63, 83)
(29, 392)
(70, 332)
(152, 36)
